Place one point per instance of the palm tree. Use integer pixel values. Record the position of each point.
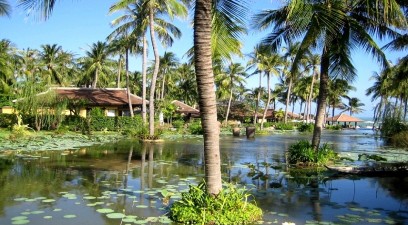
(231, 80)
(206, 94)
(338, 88)
(97, 63)
(185, 85)
(156, 8)
(133, 23)
(354, 106)
(7, 57)
(5, 8)
(337, 26)
(56, 61)
(168, 63)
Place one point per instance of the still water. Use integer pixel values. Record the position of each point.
(100, 184)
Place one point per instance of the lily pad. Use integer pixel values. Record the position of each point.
(115, 215)
(105, 210)
(48, 200)
(47, 217)
(70, 216)
(19, 218)
(20, 221)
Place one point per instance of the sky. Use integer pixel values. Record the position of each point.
(77, 24)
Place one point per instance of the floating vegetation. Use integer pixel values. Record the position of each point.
(115, 215)
(70, 216)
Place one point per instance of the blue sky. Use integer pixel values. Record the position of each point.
(75, 25)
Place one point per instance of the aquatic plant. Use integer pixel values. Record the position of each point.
(303, 152)
(305, 127)
(230, 206)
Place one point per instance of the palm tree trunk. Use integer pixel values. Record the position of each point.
(309, 102)
(206, 93)
(268, 101)
(321, 102)
(229, 107)
(258, 99)
(162, 86)
(95, 79)
(287, 100)
(119, 71)
(127, 84)
(144, 72)
(155, 72)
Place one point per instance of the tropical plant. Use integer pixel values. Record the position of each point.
(5, 8)
(7, 65)
(56, 63)
(303, 152)
(231, 206)
(336, 27)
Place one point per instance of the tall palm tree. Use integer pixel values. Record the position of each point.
(337, 26)
(134, 23)
(168, 63)
(157, 8)
(232, 80)
(354, 106)
(338, 89)
(185, 88)
(7, 57)
(206, 93)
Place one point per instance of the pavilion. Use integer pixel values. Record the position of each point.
(345, 119)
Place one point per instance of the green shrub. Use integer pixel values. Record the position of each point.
(284, 126)
(178, 124)
(305, 127)
(392, 126)
(334, 127)
(230, 206)
(400, 139)
(7, 120)
(303, 152)
(196, 128)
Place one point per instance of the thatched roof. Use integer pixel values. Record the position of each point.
(184, 108)
(343, 118)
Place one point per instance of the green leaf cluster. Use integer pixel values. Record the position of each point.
(230, 206)
(305, 127)
(303, 152)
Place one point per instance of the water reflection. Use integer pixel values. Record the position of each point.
(128, 177)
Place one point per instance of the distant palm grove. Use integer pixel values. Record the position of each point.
(308, 48)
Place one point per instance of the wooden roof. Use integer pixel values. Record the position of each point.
(184, 108)
(343, 118)
(98, 96)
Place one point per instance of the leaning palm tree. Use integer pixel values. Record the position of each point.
(336, 26)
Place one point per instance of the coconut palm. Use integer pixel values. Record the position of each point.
(185, 87)
(7, 57)
(97, 64)
(338, 89)
(336, 27)
(5, 8)
(168, 63)
(57, 63)
(354, 106)
(157, 8)
(231, 80)
(206, 94)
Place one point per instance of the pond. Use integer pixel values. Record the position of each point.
(124, 182)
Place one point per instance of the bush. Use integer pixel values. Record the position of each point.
(392, 126)
(178, 124)
(196, 128)
(284, 126)
(400, 139)
(334, 127)
(305, 127)
(7, 120)
(303, 152)
(230, 206)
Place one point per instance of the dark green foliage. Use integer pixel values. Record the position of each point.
(196, 128)
(374, 157)
(333, 127)
(230, 206)
(7, 120)
(104, 123)
(400, 139)
(305, 127)
(284, 126)
(392, 126)
(303, 152)
(178, 124)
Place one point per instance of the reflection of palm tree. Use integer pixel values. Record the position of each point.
(150, 166)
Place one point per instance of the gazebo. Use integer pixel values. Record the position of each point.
(345, 119)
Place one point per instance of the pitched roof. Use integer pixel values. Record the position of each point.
(184, 108)
(343, 118)
(96, 96)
